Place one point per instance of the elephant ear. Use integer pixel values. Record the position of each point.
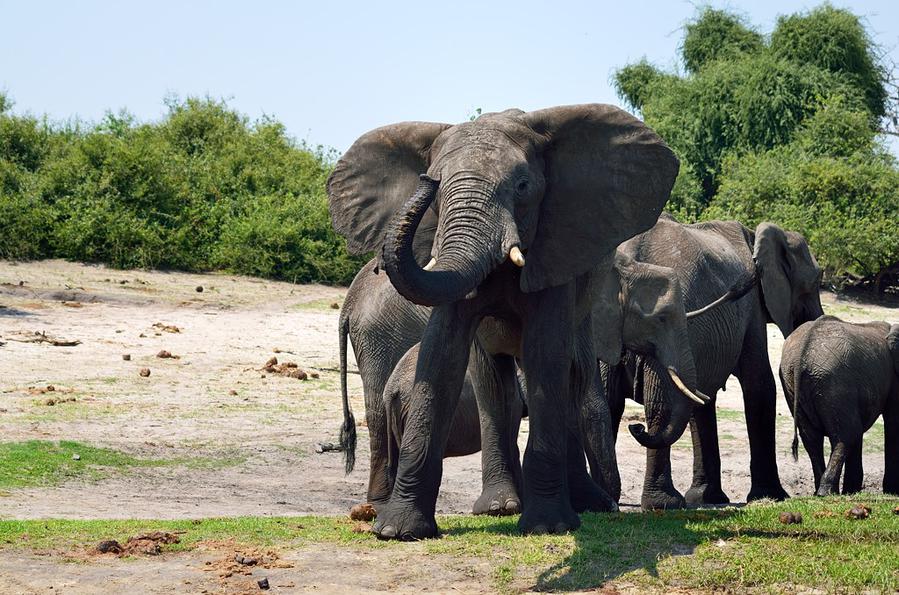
(606, 310)
(893, 344)
(607, 178)
(373, 180)
(774, 267)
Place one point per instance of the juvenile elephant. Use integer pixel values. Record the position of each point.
(383, 326)
(530, 207)
(708, 258)
(838, 377)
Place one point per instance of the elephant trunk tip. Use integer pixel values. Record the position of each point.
(638, 431)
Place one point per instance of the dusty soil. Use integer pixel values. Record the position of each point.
(250, 435)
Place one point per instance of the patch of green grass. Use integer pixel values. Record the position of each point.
(873, 440)
(45, 463)
(723, 549)
(324, 304)
(844, 310)
(40, 462)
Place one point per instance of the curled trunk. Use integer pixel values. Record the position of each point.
(452, 277)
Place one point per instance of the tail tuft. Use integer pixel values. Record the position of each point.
(348, 442)
(795, 448)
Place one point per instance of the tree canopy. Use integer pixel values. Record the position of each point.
(781, 127)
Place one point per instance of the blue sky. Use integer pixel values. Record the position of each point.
(333, 70)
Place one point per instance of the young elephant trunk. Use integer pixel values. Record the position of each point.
(668, 409)
(453, 277)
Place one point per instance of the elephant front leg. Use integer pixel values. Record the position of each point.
(659, 492)
(706, 486)
(439, 376)
(499, 411)
(547, 346)
(759, 401)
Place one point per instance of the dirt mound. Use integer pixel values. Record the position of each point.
(147, 544)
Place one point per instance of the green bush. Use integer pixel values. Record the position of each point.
(203, 188)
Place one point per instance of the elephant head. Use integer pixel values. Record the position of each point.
(554, 191)
(789, 276)
(653, 322)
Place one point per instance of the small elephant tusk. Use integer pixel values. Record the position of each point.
(516, 256)
(430, 264)
(693, 396)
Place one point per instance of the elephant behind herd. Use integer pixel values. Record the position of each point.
(518, 217)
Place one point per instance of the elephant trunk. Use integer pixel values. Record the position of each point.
(465, 257)
(667, 406)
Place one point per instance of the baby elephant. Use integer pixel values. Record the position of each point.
(838, 377)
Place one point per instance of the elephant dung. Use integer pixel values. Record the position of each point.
(363, 512)
(790, 518)
(858, 512)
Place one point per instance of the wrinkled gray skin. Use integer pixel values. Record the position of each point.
(838, 377)
(564, 186)
(709, 257)
(383, 326)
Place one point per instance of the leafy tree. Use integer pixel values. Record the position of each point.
(715, 35)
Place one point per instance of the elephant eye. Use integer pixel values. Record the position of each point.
(522, 186)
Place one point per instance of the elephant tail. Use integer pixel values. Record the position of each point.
(743, 286)
(795, 446)
(348, 429)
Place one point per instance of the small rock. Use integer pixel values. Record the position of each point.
(245, 560)
(164, 354)
(109, 546)
(858, 512)
(790, 518)
(145, 372)
(50, 402)
(363, 512)
(76, 457)
(314, 375)
(232, 392)
(50, 388)
(126, 357)
(21, 283)
(335, 306)
(199, 289)
(263, 584)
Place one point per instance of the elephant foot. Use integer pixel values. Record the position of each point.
(548, 515)
(704, 495)
(499, 500)
(891, 487)
(773, 492)
(668, 499)
(405, 522)
(827, 490)
(587, 496)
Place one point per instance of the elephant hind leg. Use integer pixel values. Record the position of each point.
(830, 481)
(891, 444)
(853, 475)
(813, 442)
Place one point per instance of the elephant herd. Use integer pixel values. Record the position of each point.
(523, 267)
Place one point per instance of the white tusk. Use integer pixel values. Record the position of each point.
(683, 388)
(516, 256)
(430, 264)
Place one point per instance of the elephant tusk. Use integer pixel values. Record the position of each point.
(516, 256)
(693, 396)
(430, 264)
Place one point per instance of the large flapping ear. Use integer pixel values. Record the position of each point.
(607, 178)
(893, 344)
(607, 311)
(373, 180)
(774, 266)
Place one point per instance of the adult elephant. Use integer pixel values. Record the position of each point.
(709, 257)
(563, 187)
(383, 326)
(838, 378)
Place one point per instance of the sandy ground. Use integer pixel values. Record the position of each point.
(251, 435)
